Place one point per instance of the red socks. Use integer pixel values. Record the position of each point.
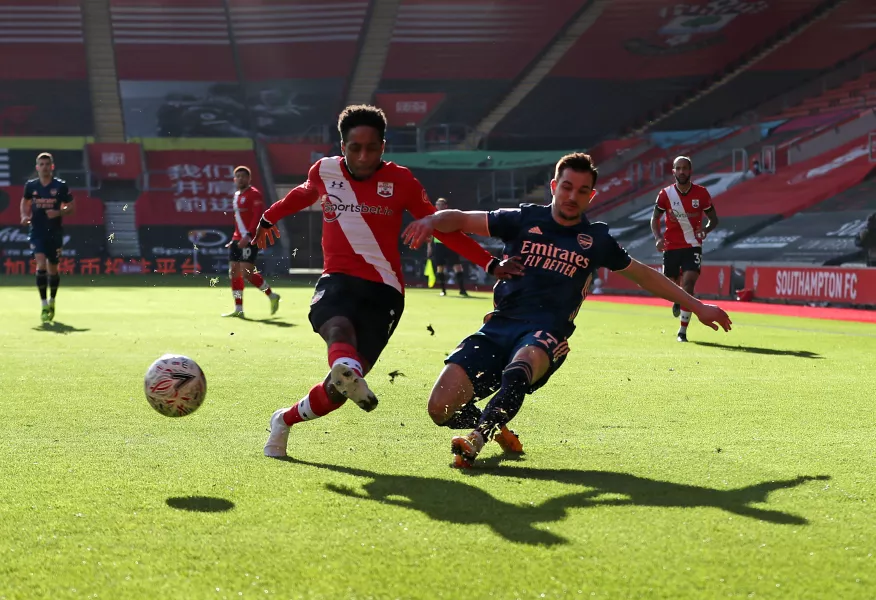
(257, 280)
(347, 355)
(314, 405)
(317, 403)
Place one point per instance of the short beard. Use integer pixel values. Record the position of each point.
(679, 182)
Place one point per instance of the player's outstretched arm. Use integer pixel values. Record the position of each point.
(445, 221)
(447, 226)
(654, 282)
(296, 200)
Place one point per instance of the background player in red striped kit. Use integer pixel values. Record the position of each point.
(242, 254)
(684, 204)
(359, 299)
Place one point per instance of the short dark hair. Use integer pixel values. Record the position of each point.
(243, 168)
(579, 162)
(358, 115)
(45, 155)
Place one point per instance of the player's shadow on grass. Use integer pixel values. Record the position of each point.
(200, 503)
(767, 351)
(641, 491)
(463, 504)
(272, 321)
(58, 327)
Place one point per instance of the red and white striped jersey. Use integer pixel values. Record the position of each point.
(684, 215)
(248, 209)
(362, 220)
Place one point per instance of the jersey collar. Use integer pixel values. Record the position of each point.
(349, 173)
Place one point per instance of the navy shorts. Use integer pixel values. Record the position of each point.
(485, 354)
(50, 245)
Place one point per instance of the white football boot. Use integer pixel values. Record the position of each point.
(275, 447)
(353, 387)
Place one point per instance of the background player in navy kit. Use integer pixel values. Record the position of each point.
(45, 201)
(443, 257)
(525, 339)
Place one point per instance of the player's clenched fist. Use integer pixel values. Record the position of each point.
(265, 234)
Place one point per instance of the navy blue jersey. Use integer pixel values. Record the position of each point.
(43, 198)
(559, 263)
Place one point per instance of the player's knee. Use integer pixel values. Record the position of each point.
(452, 391)
(338, 330)
(439, 410)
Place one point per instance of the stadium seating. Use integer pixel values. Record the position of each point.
(172, 40)
(639, 57)
(471, 52)
(44, 87)
(295, 40)
(850, 97)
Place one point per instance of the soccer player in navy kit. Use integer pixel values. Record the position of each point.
(525, 339)
(45, 201)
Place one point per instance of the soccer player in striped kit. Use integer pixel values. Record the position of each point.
(359, 300)
(684, 204)
(242, 253)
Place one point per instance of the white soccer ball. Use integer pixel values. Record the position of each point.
(175, 385)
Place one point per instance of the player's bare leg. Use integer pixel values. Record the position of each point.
(255, 278)
(460, 279)
(689, 283)
(235, 273)
(451, 405)
(348, 368)
(42, 280)
(345, 380)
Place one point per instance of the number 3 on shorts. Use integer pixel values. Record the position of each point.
(698, 258)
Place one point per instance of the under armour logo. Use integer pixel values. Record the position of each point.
(337, 185)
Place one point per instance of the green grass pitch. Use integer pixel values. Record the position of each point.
(740, 465)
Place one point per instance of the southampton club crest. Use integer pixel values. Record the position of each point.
(384, 188)
(695, 203)
(680, 28)
(585, 241)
